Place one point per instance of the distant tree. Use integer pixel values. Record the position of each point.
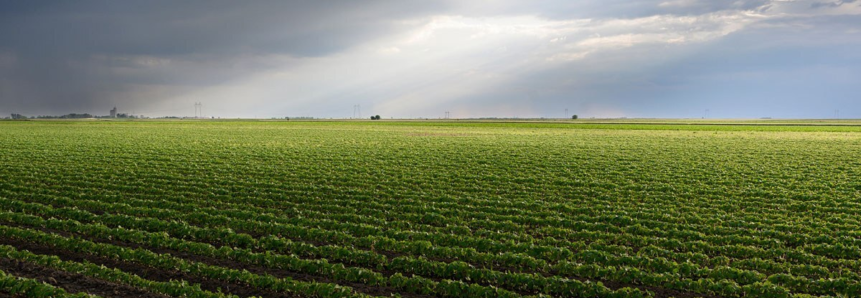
(574, 117)
(376, 117)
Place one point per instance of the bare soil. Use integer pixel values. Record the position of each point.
(73, 282)
(260, 270)
(147, 272)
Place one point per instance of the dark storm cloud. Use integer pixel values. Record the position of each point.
(79, 55)
(303, 28)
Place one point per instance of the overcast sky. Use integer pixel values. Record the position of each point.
(595, 58)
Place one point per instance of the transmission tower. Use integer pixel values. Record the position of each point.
(198, 110)
(357, 111)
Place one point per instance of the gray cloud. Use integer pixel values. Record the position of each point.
(830, 4)
(670, 58)
(562, 9)
(88, 54)
(302, 28)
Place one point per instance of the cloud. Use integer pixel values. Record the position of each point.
(395, 58)
(830, 4)
(91, 54)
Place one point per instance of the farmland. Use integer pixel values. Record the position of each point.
(429, 209)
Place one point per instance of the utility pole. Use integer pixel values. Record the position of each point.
(447, 114)
(836, 114)
(566, 113)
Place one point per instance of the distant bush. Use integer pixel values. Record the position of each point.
(574, 117)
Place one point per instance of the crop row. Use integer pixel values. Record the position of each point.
(694, 251)
(673, 272)
(31, 288)
(572, 230)
(555, 286)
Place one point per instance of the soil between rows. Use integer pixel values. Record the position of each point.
(371, 290)
(144, 271)
(260, 270)
(73, 282)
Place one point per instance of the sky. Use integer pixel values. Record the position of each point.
(410, 59)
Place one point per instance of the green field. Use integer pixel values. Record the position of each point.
(634, 208)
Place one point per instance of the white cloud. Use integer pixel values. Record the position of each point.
(389, 50)
(452, 58)
(678, 3)
(566, 57)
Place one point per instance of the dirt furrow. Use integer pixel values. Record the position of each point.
(147, 272)
(73, 282)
